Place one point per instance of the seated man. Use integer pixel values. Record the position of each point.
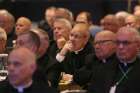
(105, 47)
(61, 31)
(124, 76)
(31, 41)
(21, 66)
(72, 55)
(45, 62)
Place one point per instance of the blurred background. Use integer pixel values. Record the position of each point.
(34, 9)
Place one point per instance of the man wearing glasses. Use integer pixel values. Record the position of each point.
(105, 47)
(124, 76)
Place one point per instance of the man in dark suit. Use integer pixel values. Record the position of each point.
(61, 31)
(45, 62)
(72, 55)
(105, 47)
(47, 23)
(31, 41)
(124, 76)
(21, 66)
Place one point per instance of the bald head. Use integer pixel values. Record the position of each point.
(104, 44)
(21, 66)
(82, 28)
(110, 22)
(106, 34)
(24, 54)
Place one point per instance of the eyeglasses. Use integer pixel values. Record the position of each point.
(125, 42)
(103, 42)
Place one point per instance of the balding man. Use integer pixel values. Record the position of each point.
(23, 24)
(21, 66)
(45, 62)
(73, 53)
(105, 47)
(122, 77)
(110, 22)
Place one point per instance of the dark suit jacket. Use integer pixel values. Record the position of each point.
(105, 77)
(84, 75)
(47, 70)
(45, 26)
(74, 61)
(10, 37)
(53, 49)
(6, 87)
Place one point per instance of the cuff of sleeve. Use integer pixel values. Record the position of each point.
(60, 58)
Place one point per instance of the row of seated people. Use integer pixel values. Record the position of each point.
(67, 52)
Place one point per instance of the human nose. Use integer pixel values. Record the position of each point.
(120, 45)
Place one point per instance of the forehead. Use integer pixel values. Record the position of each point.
(130, 18)
(82, 15)
(17, 57)
(4, 18)
(50, 11)
(23, 21)
(59, 23)
(104, 36)
(75, 32)
(125, 35)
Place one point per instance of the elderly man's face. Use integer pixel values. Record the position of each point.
(126, 46)
(19, 70)
(60, 30)
(50, 16)
(82, 18)
(77, 39)
(44, 45)
(5, 23)
(104, 46)
(130, 21)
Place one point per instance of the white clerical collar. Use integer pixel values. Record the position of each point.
(76, 52)
(103, 60)
(21, 87)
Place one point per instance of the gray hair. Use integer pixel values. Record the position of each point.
(66, 22)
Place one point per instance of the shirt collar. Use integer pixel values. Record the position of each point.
(77, 52)
(21, 87)
(127, 62)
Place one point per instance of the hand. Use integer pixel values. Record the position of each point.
(61, 42)
(67, 47)
(67, 77)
